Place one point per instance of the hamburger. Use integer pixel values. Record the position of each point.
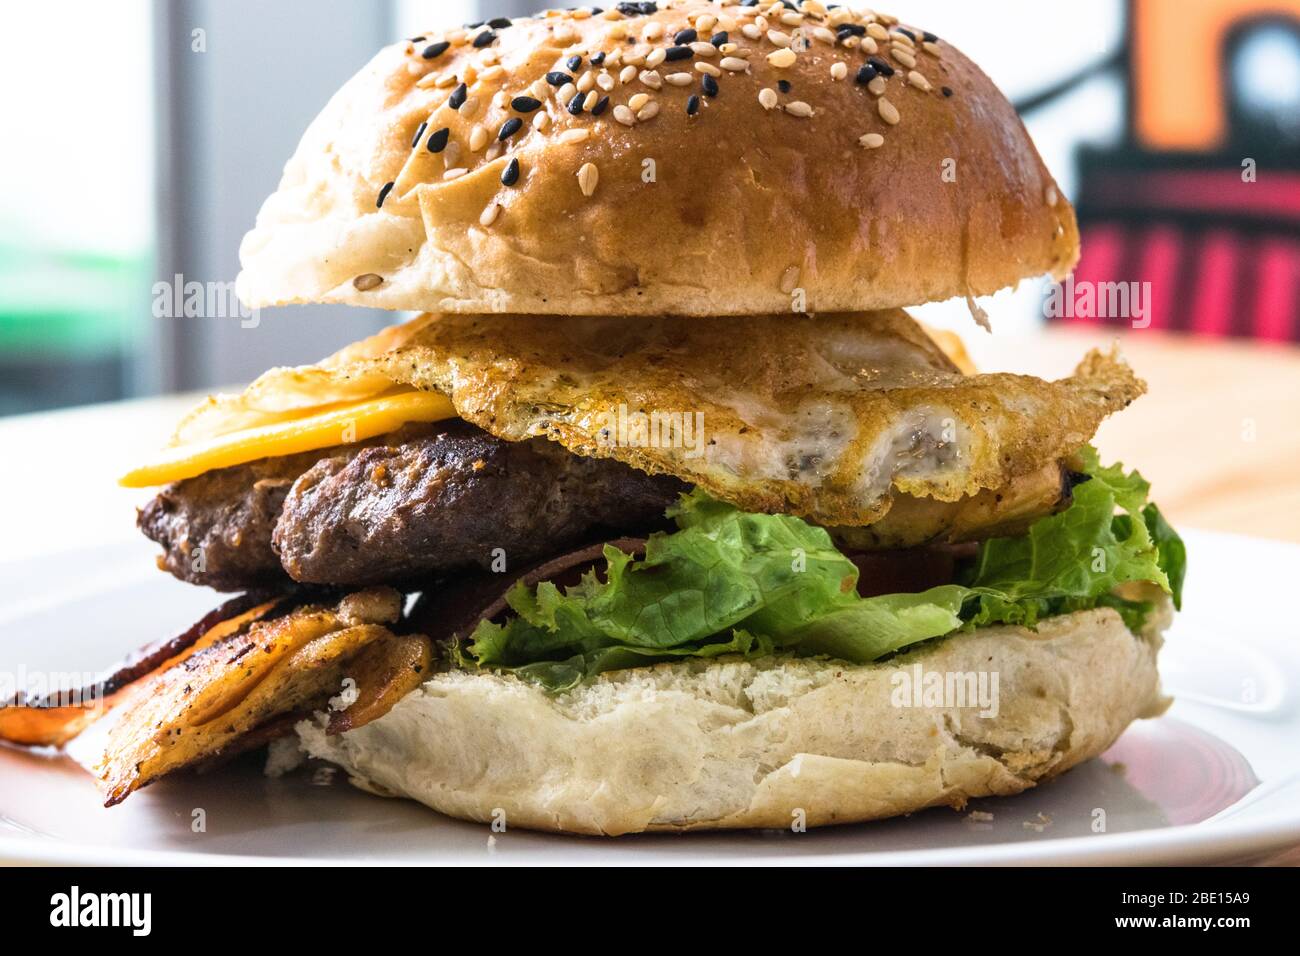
(662, 514)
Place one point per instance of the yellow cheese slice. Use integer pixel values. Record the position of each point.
(335, 425)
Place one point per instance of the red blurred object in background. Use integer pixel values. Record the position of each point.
(1202, 199)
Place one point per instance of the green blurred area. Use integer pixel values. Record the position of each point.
(71, 323)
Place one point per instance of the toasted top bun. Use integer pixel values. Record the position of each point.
(730, 171)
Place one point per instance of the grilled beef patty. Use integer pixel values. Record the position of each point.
(425, 500)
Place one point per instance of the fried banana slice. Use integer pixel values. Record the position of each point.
(226, 688)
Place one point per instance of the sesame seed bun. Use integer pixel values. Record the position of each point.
(725, 744)
(868, 164)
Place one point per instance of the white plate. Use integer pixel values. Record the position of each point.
(1215, 780)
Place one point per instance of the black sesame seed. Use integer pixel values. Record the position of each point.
(929, 37)
(575, 104)
(525, 104)
(639, 9)
(749, 3)
(674, 53)
(458, 97)
(710, 85)
(383, 194)
(946, 91)
(438, 140)
(719, 38)
(907, 33)
(435, 50)
(866, 73)
(789, 5)
(573, 62)
(474, 26)
(510, 175)
(692, 105)
(783, 86)
(500, 23)
(851, 30)
(602, 104)
(486, 38)
(598, 58)
(509, 128)
(883, 68)
(556, 78)
(683, 37)
(417, 39)
(419, 133)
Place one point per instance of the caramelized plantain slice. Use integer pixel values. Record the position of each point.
(994, 513)
(199, 706)
(385, 672)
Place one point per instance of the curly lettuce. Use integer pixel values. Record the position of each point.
(735, 582)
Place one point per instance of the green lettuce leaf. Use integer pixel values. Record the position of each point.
(734, 582)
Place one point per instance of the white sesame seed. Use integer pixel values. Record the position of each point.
(839, 70)
(652, 79)
(868, 46)
(649, 111)
(492, 73)
(888, 111)
(653, 31)
(777, 38)
(566, 92)
(680, 79)
(451, 155)
(592, 99)
(781, 59)
(799, 108)
(705, 23)
(735, 64)
(456, 173)
(656, 57)
(469, 109)
(541, 121)
(495, 150)
(903, 57)
(701, 48)
(588, 178)
(586, 82)
(919, 81)
(708, 68)
(624, 115)
(903, 38)
(577, 135)
(878, 86)
(872, 141)
(628, 74)
(751, 31)
(767, 96)
(605, 82)
(825, 35)
(791, 19)
(478, 138)
(637, 101)
(364, 283)
(930, 48)
(489, 214)
(877, 32)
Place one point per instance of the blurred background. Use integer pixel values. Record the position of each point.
(1173, 124)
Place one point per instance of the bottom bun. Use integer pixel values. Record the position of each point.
(774, 742)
